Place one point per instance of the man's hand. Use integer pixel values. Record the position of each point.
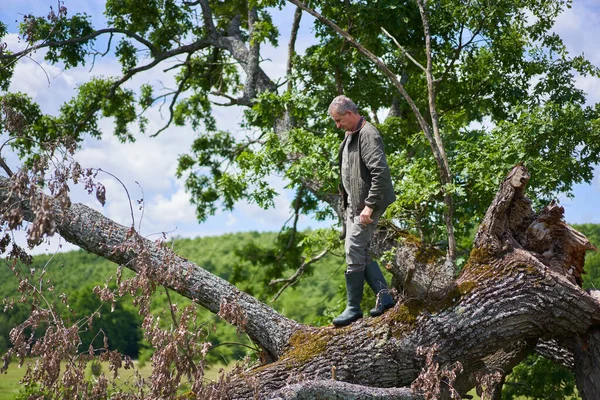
(365, 215)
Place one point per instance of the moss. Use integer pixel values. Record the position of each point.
(306, 344)
(408, 238)
(479, 255)
(465, 287)
(428, 255)
(402, 318)
(405, 314)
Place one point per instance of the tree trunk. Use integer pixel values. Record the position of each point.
(519, 285)
(587, 363)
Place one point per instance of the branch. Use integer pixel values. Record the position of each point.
(294, 278)
(5, 167)
(556, 353)
(190, 48)
(458, 50)
(93, 232)
(253, 54)
(97, 53)
(176, 94)
(82, 39)
(291, 47)
(406, 53)
(186, 49)
(443, 165)
(233, 101)
(207, 16)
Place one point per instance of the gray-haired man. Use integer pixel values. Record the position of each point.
(367, 190)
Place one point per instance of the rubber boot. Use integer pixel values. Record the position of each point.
(355, 283)
(376, 281)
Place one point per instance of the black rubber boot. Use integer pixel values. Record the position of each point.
(355, 283)
(376, 281)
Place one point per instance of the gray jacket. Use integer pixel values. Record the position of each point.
(371, 181)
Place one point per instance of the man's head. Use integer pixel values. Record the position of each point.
(344, 113)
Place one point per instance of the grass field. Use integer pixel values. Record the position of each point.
(9, 382)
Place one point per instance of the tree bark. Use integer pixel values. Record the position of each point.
(587, 363)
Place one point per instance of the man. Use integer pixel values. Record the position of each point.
(367, 190)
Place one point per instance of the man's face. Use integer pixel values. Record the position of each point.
(343, 121)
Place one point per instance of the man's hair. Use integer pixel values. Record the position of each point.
(341, 104)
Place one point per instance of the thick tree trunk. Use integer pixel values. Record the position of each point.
(587, 364)
(519, 285)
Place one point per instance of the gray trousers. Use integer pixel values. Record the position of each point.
(358, 240)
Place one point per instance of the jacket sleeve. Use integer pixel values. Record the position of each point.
(373, 156)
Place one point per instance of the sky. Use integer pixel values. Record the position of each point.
(147, 167)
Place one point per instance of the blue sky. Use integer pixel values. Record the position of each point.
(150, 163)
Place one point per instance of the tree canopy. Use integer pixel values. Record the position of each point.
(504, 85)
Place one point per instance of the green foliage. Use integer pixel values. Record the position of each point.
(60, 28)
(126, 52)
(118, 322)
(507, 96)
(591, 280)
(539, 379)
(99, 94)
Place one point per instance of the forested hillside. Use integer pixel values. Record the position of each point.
(235, 257)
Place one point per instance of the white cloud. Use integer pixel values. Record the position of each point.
(171, 210)
(591, 86)
(231, 220)
(579, 27)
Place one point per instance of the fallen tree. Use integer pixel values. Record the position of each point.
(520, 285)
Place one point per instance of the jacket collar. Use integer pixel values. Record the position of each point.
(359, 126)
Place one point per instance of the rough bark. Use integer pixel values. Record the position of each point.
(334, 390)
(555, 352)
(587, 363)
(419, 271)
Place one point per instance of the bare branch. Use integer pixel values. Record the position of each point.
(233, 101)
(443, 159)
(207, 16)
(406, 53)
(39, 65)
(294, 278)
(5, 167)
(180, 89)
(97, 53)
(291, 47)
